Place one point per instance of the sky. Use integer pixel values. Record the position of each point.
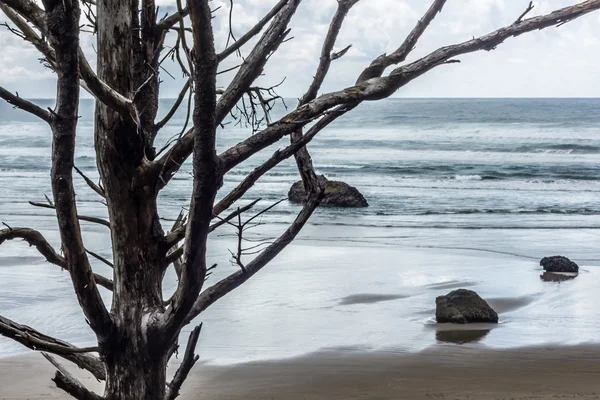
(555, 62)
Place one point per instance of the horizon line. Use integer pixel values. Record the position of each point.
(410, 98)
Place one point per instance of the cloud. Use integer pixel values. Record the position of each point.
(552, 62)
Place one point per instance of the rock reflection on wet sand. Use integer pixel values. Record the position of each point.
(557, 276)
(369, 298)
(461, 336)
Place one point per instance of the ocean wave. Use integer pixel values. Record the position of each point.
(468, 177)
(481, 172)
(540, 210)
(563, 148)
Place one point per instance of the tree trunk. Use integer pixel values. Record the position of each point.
(136, 353)
(134, 372)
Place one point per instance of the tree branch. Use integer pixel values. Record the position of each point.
(35, 238)
(253, 66)
(172, 20)
(189, 359)
(97, 88)
(29, 10)
(378, 66)
(178, 234)
(207, 175)
(327, 49)
(221, 288)
(381, 87)
(96, 188)
(176, 105)
(67, 382)
(527, 10)
(35, 340)
(25, 105)
(86, 218)
(65, 39)
(277, 157)
(252, 32)
(302, 156)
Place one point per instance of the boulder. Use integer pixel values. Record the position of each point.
(462, 306)
(558, 264)
(337, 194)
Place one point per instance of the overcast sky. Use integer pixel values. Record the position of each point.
(556, 62)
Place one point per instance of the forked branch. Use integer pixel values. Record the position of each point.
(221, 288)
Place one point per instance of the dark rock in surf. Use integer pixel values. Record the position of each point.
(337, 194)
(558, 264)
(462, 306)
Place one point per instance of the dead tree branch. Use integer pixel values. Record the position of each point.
(170, 163)
(276, 158)
(189, 359)
(35, 340)
(220, 289)
(25, 105)
(527, 10)
(378, 66)
(206, 169)
(86, 218)
(99, 258)
(30, 35)
(96, 188)
(67, 382)
(382, 87)
(252, 32)
(35, 238)
(179, 234)
(175, 106)
(302, 156)
(65, 40)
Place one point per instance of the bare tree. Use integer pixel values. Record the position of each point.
(139, 333)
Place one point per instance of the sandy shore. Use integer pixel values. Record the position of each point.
(445, 372)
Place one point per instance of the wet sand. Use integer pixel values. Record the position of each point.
(442, 371)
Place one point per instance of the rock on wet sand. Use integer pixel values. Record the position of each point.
(558, 264)
(462, 306)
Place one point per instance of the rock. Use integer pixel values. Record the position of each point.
(337, 194)
(558, 264)
(462, 306)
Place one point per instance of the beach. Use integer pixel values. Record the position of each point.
(444, 372)
(462, 194)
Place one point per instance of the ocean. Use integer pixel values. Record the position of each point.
(462, 193)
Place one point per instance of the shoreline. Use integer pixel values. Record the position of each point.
(440, 371)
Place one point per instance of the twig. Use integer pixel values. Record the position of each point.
(527, 10)
(94, 220)
(96, 188)
(99, 258)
